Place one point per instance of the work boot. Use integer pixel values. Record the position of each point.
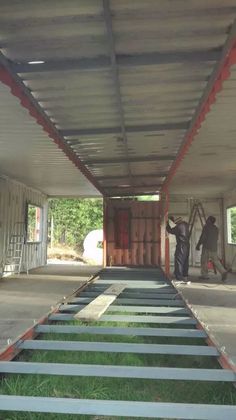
(224, 276)
(186, 280)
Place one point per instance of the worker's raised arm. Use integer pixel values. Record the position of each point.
(170, 229)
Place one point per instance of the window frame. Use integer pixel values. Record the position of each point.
(228, 225)
(39, 241)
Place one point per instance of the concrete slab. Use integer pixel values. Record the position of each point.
(214, 304)
(25, 298)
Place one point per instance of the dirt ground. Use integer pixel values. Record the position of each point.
(64, 252)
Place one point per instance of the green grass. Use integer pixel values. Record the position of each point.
(114, 388)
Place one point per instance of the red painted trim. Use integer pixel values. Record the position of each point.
(223, 359)
(11, 351)
(18, 91)
(222, 74)
(167, 244)
(159, 232)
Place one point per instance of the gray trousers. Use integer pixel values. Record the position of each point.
(210, 255)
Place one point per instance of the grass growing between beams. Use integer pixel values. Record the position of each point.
(114, 388)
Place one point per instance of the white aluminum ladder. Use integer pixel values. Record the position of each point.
(13, 258)
(197, 210)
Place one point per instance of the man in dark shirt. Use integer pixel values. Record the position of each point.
(208, 240)
(181, 232)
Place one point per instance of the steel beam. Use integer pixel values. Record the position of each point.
(151, 158)
(131, 318)
(110, 371)
(149, 302)
(115, 177)
(139, 284)
(103, 62)
(134, 187)
(135, 295)
(150, 319)
(171, 349)
(116, 80)
(131, 331)
(117, 408)
(120, 194)
(129, 129)
(131, 309)
(159, 289)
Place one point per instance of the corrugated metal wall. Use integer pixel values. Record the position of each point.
(144, 246)
(13, 199)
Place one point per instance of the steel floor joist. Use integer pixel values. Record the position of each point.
(134, 318)
(118, 408)
(130, 309)
(124, 301)
(109, 371)
(148, 303)
(129, 331)
(133, 295)
(107, 347)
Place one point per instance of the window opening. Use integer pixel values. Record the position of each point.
(231, 225)
(34, 223)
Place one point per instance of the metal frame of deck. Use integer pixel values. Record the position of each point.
(150, 299)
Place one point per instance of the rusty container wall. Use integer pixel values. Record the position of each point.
(144, 244)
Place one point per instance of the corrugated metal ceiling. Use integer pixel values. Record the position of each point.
(29, 156)
(122, 101)
(209, 166)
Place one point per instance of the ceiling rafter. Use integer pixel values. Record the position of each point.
(151, 175)
(119, 193)
(129, 159)
(136, 187)
(103, 62)
(129, 129)
(115, 75)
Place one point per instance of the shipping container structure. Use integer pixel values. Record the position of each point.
(118, 99)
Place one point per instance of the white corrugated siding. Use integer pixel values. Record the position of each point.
(13, 199)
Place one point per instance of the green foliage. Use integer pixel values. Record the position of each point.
(33, 231)
(148, 197)
(31, 217)
(233, 224)
(74, 219)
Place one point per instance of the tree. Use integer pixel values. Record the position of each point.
(74, 219)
